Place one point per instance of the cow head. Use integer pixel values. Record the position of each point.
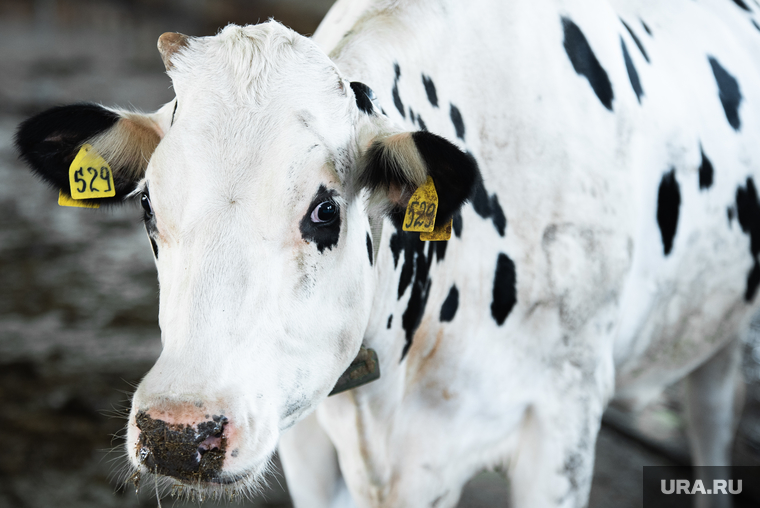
(261, 186)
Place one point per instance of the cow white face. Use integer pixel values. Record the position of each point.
(264, 176)
(261, 244)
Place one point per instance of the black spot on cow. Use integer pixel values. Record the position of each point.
(497, 216)
(646, 27)
(438, 499)
(729, 93)
(585, 62)
(450, 305)
(756, 25)
(730, 212)
(396, 247)
(504, 289)
(432, 95)
(390, 322)
(415, 273)
(324, 234)
(633, 76)
(421, 124)
(412, 117)
(573, 470)
(369, 249)
(488, 207)
(407, 270)
(705, 171)
(396, 97)
(456, 119)
(456, 224)
(636, 40)
(668, 206)
(364, 96)
(440, 250)
(748, 212)
(397, 101)
(154, 246)
(744, 6)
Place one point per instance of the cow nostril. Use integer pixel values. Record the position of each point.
(205, 448)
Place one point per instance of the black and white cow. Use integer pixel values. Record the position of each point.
(606, 153)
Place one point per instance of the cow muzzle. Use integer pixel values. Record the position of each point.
(183, 438)
(190, 453)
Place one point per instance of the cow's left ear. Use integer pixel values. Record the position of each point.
(394, 166)
(50, 141)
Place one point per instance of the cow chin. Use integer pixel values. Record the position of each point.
(232, 487)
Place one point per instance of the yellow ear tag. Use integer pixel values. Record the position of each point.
(64, 200)
(90, 176)
(440, 233)
(421, 210)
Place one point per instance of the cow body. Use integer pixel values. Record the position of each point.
(609, 245)
(599, 306)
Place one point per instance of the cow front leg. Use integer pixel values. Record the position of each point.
(554, 461)
(310, 464)
(710, 393)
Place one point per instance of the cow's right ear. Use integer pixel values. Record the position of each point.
(394, 166)
(51, 140)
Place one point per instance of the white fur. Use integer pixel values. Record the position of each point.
(256, 322)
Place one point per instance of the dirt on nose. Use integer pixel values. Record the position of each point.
(182, 451)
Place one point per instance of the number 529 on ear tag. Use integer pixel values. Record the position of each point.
(90, 176)
(421, 210)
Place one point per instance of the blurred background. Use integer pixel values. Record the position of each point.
(78, 291)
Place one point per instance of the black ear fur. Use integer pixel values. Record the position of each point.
(50, 140)
(454, 172)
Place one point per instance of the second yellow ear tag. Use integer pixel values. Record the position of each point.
(441, 233)
(421, 210)
(90, 176)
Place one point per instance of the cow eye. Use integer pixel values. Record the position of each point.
(147, 207)
(326, 211)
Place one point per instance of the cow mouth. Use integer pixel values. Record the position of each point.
(230, 487)
(224, 486)
(226, 480)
